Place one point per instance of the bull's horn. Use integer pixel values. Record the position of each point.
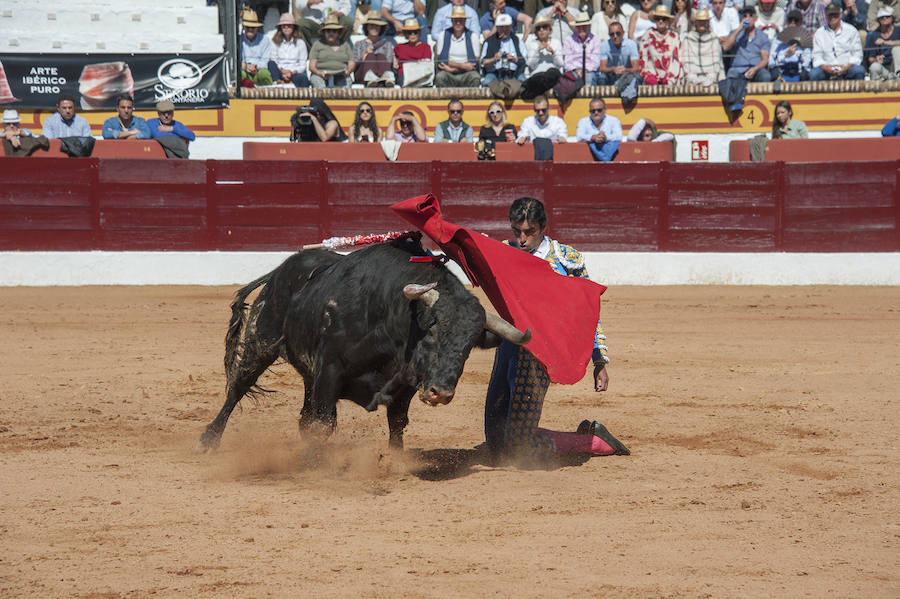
(426, 293)
(497, 325)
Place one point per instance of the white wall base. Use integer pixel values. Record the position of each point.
(609, 268)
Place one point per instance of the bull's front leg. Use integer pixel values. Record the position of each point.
(319, 411)
(398, 415)
(385, 395)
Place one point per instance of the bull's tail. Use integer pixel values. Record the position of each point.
(239, 309)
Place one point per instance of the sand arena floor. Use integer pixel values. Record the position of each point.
(763, 424)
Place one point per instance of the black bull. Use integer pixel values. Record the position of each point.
(343, 322)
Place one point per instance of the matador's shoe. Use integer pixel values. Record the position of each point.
(597, 429)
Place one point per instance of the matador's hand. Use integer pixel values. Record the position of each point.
(601, 378)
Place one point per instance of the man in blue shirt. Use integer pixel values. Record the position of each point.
(601, 131)
(166, 124)
(442, 20)
(618, 55)
(125, 125)
(751, 49)
(64, 122)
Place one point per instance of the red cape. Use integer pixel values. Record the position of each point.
(562, 312)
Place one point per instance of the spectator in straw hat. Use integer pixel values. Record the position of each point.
(330, 60)
(458, 50)
(660, 53)
(374, 55)
(413, 50)
(582, 51)
(312, 14)
(883, 47)
(701, 53)
(398, 12)
(289, 56)
(256, 49)
(443, 20)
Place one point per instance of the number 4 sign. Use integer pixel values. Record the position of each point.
(700, 149)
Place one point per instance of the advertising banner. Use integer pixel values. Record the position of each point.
(188, 81)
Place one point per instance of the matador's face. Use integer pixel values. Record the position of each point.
(527, 236)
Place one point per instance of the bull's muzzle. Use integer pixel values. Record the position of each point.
(434, 396)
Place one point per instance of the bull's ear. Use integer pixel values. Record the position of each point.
(488, 340)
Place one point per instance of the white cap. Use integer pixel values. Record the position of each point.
(885, 11)
(502, 20)
(11, 116)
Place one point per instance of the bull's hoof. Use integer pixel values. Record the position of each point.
(209, 441)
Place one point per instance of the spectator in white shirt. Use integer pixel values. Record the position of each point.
(602, 130)
(837, 51)
(458, 50)
(543, 125)
(288, 56)
(723, 20)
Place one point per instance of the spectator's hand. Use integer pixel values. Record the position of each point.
(750, 73)
(599, 138)
(561, 140)
(521, 141)
(879, 58)
(619, 70)
(338, 13)
(498, 55)
(879, 42)
(168, 128)
(601, 378)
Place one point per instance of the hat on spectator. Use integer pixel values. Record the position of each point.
(748, 10)
(834, 8)
(661, 11)
(701, 14)
(502, 20)
(582, 18)
(165, 106)
(885, 11)
(544, 20)
(458, 12)
(373, 17)
(794, 15)
(411, 25)
(332, 21)
(11, 116)
(287, 19)
(249, 18)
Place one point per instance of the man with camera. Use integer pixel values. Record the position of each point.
(502, 57)
(315, 122)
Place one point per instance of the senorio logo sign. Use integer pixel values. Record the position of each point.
(178, 78)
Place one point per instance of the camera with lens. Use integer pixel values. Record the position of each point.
(301, 124)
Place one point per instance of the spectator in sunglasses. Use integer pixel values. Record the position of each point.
(603, 132)
(618, 55)
(364, 127)
(496, 128)
(543, 125)
(454, 129)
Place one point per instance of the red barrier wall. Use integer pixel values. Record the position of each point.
(146, 204)
(845, 149)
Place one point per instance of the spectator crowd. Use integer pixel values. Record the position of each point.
(529, 45)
